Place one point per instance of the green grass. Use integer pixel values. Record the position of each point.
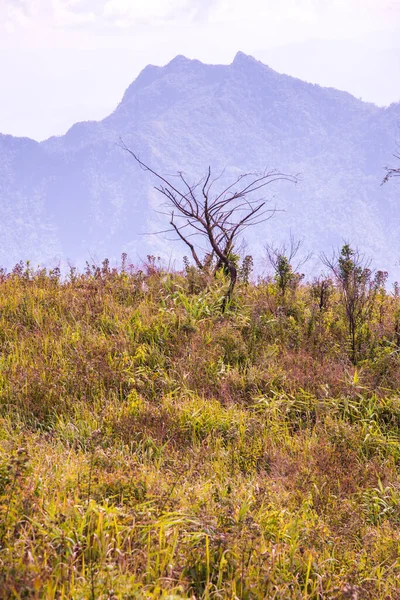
(152, 448)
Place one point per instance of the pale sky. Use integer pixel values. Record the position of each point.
(63, 61)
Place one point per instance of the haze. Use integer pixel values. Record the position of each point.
(64, 61)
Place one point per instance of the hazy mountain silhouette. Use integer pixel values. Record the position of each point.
(80, 194)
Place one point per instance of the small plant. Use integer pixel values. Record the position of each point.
(281, 259)
(358, 288)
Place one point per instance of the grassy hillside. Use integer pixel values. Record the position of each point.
(153, 448)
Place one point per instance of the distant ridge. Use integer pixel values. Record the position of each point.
(78, 195)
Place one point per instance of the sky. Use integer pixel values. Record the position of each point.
(63, 61)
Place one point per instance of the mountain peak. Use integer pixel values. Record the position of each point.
(246, 61)
(180, 59)
(86, 196)
(241, 57)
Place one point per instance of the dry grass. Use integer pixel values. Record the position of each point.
(150, 448)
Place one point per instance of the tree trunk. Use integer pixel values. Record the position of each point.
(232, 277)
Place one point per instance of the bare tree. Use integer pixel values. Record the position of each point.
(209, 222)
(391, 171)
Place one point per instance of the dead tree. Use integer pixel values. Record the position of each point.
(209, 222)
(391, 171)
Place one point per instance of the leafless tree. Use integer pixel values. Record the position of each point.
(391, 171)
(209, 222)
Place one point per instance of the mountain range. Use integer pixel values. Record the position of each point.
(80, 196)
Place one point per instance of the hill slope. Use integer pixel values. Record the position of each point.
(79, 194)
(151, 448)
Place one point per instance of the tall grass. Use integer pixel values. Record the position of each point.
(152, 448)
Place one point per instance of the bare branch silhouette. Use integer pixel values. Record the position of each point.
(218, 220)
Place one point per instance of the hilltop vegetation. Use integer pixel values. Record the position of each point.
(154, 448)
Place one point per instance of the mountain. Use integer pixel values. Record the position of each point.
(81, 195)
